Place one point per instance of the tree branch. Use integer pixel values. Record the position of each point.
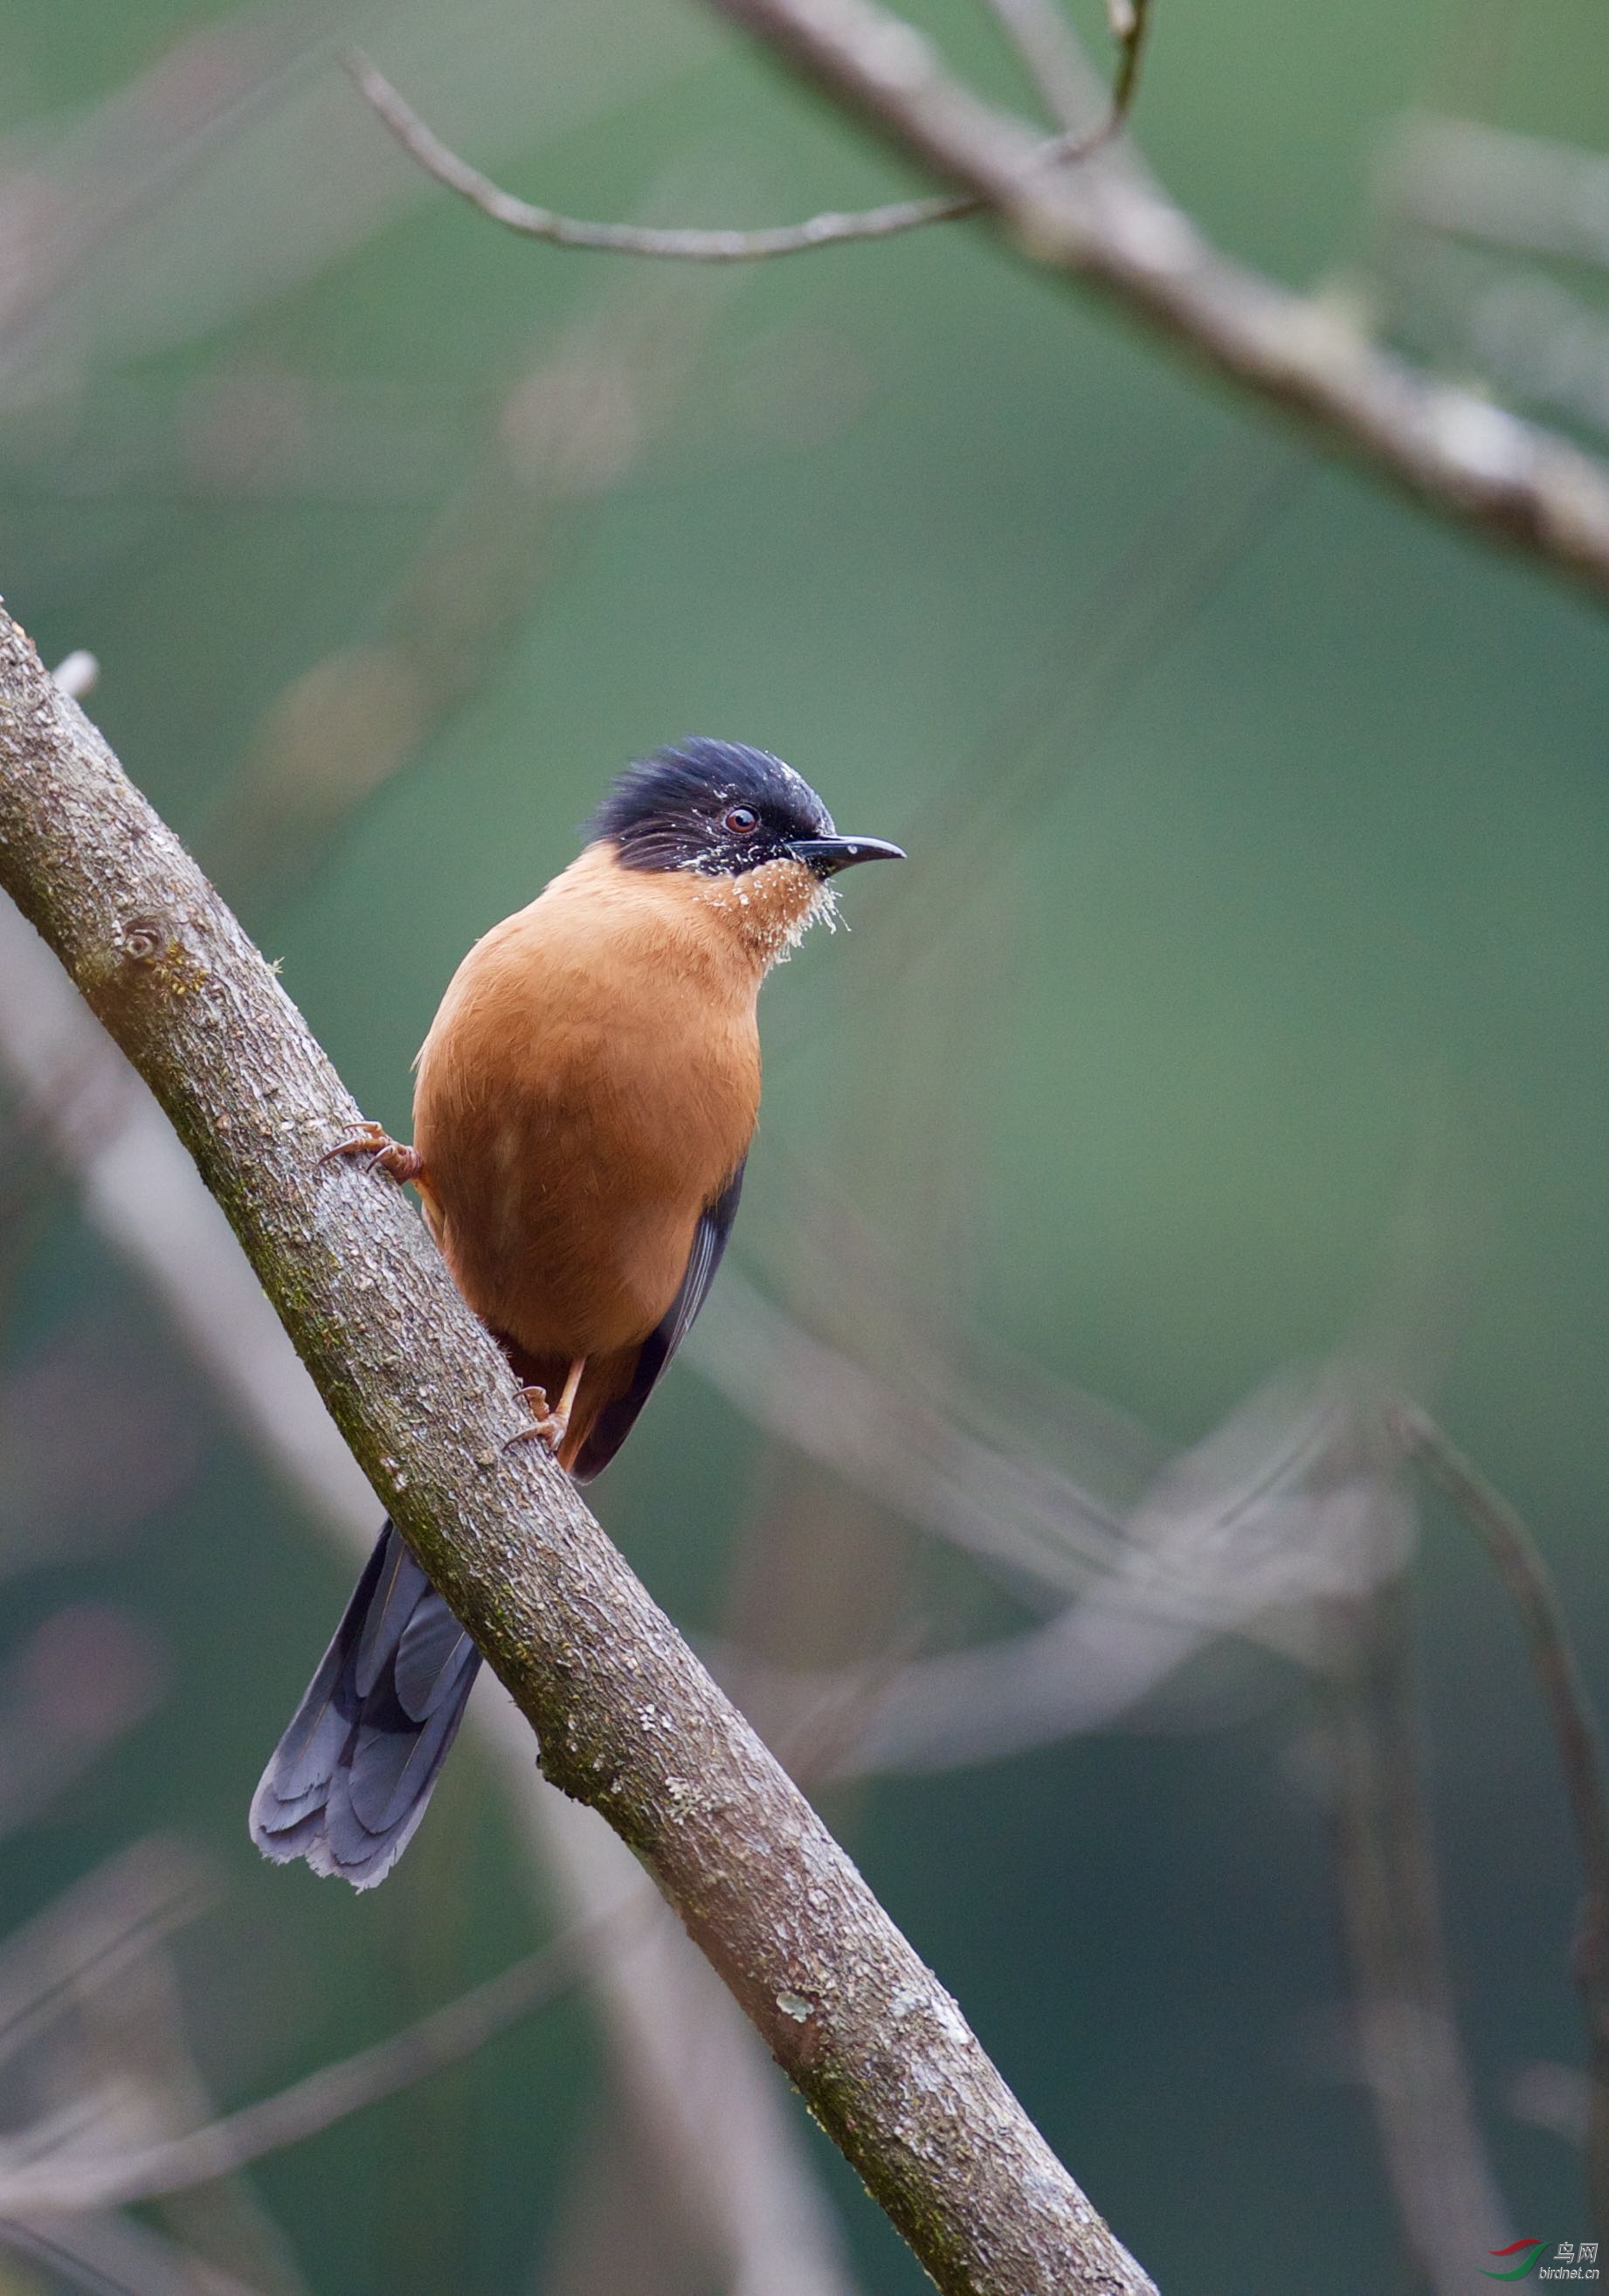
(1411, 2055)
(420, 142)
(80, 2176)
(626, 1718)
(1577, 1739)
(1108, 225)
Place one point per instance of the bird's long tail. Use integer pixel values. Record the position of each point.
(348, 1782)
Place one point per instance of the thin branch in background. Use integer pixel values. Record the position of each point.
(831, 229)
(210, 142)
(1577, 1736)
(1130, 20)
(1536, 340)
(91, 1934)
(139, 1189)
(688, 246)
(74, 2181)
(131, 155)
(1412, 2060)
(129, 2043)
(1293, 1503)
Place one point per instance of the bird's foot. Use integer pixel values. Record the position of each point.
(548, 1424)
(384, 1153)
(547, 1427)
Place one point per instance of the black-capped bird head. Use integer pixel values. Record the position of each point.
(722, 809)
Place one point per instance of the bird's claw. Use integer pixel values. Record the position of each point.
(385, 1154)
(546, 1427)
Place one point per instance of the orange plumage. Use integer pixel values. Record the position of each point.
(589, 1086)
(584, 1102)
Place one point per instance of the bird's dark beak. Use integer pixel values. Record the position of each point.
(827, 855)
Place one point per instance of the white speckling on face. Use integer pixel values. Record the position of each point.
(773, 905)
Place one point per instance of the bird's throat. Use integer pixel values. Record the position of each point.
(767, 911)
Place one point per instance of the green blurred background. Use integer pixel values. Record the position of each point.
(1257, 1004)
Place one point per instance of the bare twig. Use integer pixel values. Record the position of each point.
(1576, 1735)
(1201, 1545)
(75, 2179)
(1107, 226)
(693, 246)
(689, 246)
(626, 1720)
(127, 2046)
(1407, 2032)
(90, 1935)
(1130, 20)
(1294, 1503)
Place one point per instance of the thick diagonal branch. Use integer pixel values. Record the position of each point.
(626, 1718)
(1107, 224)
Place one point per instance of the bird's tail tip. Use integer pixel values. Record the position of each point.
(346, 1785)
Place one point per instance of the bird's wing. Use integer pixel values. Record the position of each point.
(616, 1420)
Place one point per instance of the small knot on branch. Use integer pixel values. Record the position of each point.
(143, 940)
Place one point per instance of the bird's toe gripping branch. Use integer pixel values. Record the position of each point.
(385, 1154)
(549, 1424)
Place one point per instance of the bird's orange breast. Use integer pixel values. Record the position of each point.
(588, 1086)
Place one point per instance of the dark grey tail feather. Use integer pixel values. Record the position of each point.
(348, 1781)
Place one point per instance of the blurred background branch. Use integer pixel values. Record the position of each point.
(1405, 2025)
(1578, 1741)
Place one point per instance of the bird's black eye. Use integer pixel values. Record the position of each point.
(740, 819)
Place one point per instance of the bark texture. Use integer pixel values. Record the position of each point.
(626, 1718)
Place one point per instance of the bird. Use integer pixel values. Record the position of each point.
(584, 1104)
